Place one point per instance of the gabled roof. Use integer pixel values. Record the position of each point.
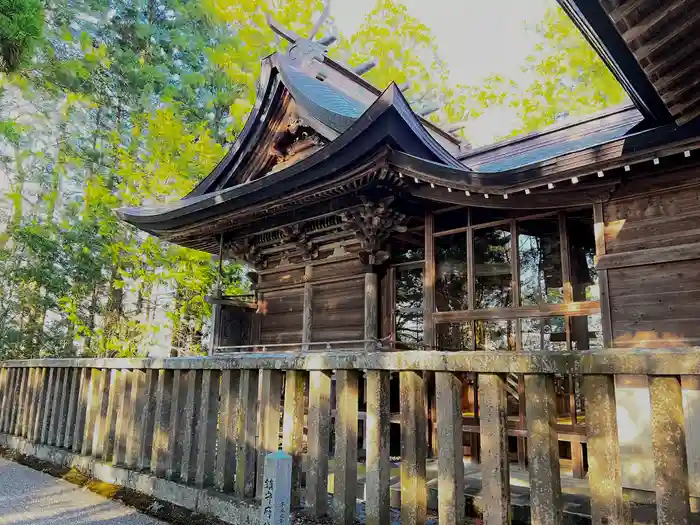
(389, 122)
(329, 107)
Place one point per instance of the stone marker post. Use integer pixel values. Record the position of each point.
(276, 490)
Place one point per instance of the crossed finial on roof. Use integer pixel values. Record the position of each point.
(303, 49)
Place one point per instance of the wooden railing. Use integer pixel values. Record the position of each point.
(208, 422)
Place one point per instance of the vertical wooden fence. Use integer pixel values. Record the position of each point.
(208, 422)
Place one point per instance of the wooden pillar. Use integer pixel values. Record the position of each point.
(206, 428)
(31, 402)
(307, 310)
(161, 424)
(345, 472)
(429, 283)
(177, 415)
(99, 433)
(246, 420)
(122, 417)
(494, 449)
(136, 401)
(110, 424)
(53, 394)
(319, 442)
(44, 382)
(604, 470)
(78, 432)
(269, 429)
(92, 409)
(293, 426)
(371, 309)
(378, 468)
(9, 397)
(448, 389)
(668, 445)
(66, 425)
(414, 495)
(145, 419)
(605, 309)
(543, 448)
(57, 400)
(189, 414)
(226, 441)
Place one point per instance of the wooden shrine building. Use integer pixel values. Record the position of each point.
(370, 228)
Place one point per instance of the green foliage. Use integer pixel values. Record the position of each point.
(21, 23)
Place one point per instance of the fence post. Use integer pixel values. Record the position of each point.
(161, 424)
(604, 471)
(318, 441)
(226, 446)
(269, 429)
(246, 419)
(378, 468)
(494, 449)
(345, 472)
(668, 445)
(123, 417)
(293, 426)
(206, 428)
(543, 451)
(414, 496)
(448, 402)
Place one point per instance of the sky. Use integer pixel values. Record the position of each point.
(475, 38)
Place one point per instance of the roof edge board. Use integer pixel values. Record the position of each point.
(263, 92)
(549, 130)
(596, 26)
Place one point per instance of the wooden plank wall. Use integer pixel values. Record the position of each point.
(652, 246)
(337, 302)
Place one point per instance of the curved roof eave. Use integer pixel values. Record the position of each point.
(265, 90)
(365, 134)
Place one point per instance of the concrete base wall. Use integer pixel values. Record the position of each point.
(201, 501)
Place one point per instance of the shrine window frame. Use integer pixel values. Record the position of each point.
(517, 313)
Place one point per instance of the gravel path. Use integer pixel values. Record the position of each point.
(31, 497)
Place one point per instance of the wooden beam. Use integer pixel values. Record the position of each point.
(604, 286)
(429, 283)
(307, 310)
(543, 310)
(471, 276)
(371, 310)
(650, 256)
(660, 39)
(656, 16)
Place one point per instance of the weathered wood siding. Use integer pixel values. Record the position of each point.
(337, 302)
(282, 319)
(653, 277)
(339, 311)
(651, 271)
